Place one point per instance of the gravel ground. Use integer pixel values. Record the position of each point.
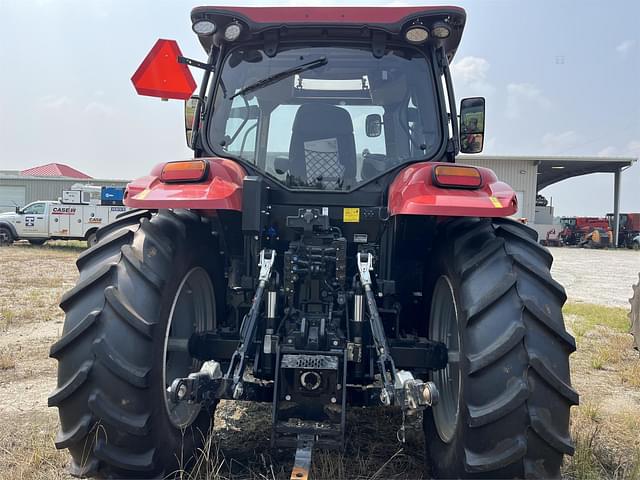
(603, 277)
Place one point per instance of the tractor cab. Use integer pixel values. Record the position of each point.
(326, 108)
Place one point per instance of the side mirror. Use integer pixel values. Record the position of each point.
(281, 165)
(190, 106)
(373, 125)
(17, 209)
(472, 125)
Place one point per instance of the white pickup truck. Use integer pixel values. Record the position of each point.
(48, 220)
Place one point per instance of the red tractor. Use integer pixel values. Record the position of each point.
(629, 229)
(322, 250)
(577, 228)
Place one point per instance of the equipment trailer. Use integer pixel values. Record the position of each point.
(322, 250)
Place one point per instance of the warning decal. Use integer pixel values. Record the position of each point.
(351, 215)
(495, 201)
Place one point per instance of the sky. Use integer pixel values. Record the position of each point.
(561, 77)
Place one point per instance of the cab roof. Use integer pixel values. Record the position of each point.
(287, 20)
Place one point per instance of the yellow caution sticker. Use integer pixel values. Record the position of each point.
(495, 201)
(351, 215)
(143, 194)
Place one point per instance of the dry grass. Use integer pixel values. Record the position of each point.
(32, 280)
(606, 372)
(27, 451)
(7, 361)
(238, 449)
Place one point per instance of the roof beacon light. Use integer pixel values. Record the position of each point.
(417, 34)
(232, 32)
(440, 30)
(204, 27)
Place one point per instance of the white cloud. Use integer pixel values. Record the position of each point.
(625, 46)
(558, 143)
(633, 148)
(523, 97)
(609, 151)
(470, 69)
(470, 73)
(98, 108)
(54, 102)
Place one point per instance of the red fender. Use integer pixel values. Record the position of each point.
(221, 190)
(414, 193)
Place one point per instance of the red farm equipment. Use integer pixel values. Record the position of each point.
(628, 229)
(321, 251)
(575, 229)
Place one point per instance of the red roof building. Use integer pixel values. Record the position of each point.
(54, 170)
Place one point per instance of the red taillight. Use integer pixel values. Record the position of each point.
(457, 176)
(185, 171)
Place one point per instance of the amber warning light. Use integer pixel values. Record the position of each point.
(160, 74)
(455, 176)
(184, 171)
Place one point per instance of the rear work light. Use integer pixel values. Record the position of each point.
(457, 177)
(184, 171)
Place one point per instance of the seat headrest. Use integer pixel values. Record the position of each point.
(322, 120)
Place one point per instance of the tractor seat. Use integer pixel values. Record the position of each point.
(322, 150)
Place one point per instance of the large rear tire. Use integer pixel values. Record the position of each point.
(506, 393)
(148, 277)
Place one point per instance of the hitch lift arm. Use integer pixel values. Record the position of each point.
(399, 386)
(248, 328)
(385, 361)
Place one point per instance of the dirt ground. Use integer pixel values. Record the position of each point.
(605, 370)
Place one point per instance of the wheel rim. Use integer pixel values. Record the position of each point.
(443, 327)
(194, 300)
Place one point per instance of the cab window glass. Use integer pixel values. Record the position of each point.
(34, 209)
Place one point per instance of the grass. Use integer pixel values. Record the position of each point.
(28, 452)
(630, 375)
(239, 448)
(7, 361)
(591, 315)
(606, 372)
(53, 245)
(7, 317)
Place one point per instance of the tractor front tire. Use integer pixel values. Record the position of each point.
(113, 362)
(506, 393)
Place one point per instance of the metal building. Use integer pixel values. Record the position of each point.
(528, 175)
